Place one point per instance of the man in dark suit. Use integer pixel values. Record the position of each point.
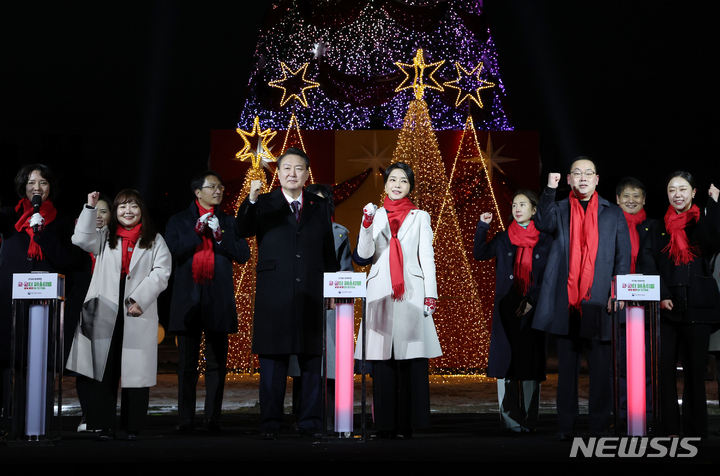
(591, 244)
(295, 247)
(630, 197)
(204, 244)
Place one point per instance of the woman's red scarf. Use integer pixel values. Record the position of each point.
(633, 221)
(525, 239)
(203, 265)
(25, 209)
(129, 238)
(584, 240)
(397, 210)
(679, 248)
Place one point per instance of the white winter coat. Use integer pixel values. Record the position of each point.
(148, 277)
(399, 328)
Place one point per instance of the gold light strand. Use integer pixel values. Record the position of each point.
(459, 317)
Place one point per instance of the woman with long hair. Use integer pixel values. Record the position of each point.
(679, 249)
(517, 351)
(401, 296)
(117, 337)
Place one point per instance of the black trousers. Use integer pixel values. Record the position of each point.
(273, 382)
(598, 353)
(401, 395)
(690, 343)
(102, 395)
(216, 351)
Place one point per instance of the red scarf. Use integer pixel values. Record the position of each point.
(525, 239)
(129, 238)
(679, 248)
(633, 221)
(203, 265)
(584, 240)
(48, 212)
(397, 210)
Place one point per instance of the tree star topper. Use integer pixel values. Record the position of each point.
(418, 81)
(263, 152)
(469, 94)
(295, 86)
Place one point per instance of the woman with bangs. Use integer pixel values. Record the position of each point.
(117, 337)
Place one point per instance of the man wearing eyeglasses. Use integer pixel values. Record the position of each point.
(591, 244)
(204, 244)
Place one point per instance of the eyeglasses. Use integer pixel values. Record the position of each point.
(219, 187)
(579, 173)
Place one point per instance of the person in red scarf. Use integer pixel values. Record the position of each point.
(679, 249)
(32, 240)
(204, 246)
(116, 340)
(591, 244)
(630, 197)
(401, 298)
(517, 351)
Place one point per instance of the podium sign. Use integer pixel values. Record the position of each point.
(38, 286)
(345, 285)
(637, 287)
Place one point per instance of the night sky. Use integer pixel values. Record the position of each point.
(124, 94)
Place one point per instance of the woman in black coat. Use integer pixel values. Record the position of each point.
(31, 241)
(679, 249)
(517, 352)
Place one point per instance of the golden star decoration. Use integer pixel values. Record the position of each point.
(262, 152)
(294, 85)
(491, 158)
(418, 81)
(465, 76)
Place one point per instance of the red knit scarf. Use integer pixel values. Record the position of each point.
(525, 239)
(25, 208)
(679, 248)
(129, 238)
(633, 221)
(397, 210)
(584, 240)
(203, 265)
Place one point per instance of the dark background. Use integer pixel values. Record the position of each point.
(124, 94)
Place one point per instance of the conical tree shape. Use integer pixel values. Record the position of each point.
(459, 317)
(240, 357)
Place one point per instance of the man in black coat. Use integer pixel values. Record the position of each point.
(204, 244)
(295, 247)
(630, 195)
(575, 292)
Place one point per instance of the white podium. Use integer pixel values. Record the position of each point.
(37, 358)
(642, 312)
(344, 287)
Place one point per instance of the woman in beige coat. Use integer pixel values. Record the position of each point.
(401, 294)
(117, 337)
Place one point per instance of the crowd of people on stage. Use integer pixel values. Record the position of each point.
(554, 267)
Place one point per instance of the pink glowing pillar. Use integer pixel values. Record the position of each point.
(344, 372)
(635, 344)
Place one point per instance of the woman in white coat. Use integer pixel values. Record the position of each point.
(401, 295)
(117, 337)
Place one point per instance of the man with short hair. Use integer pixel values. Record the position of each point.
(591, 244)
(295, 247)
(630, 196)
(204, 244)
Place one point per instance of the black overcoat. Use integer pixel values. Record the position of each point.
(691, 287)
(501, 349)
(292, 257)
(215, 300)
(56, 247)
(613, 258)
